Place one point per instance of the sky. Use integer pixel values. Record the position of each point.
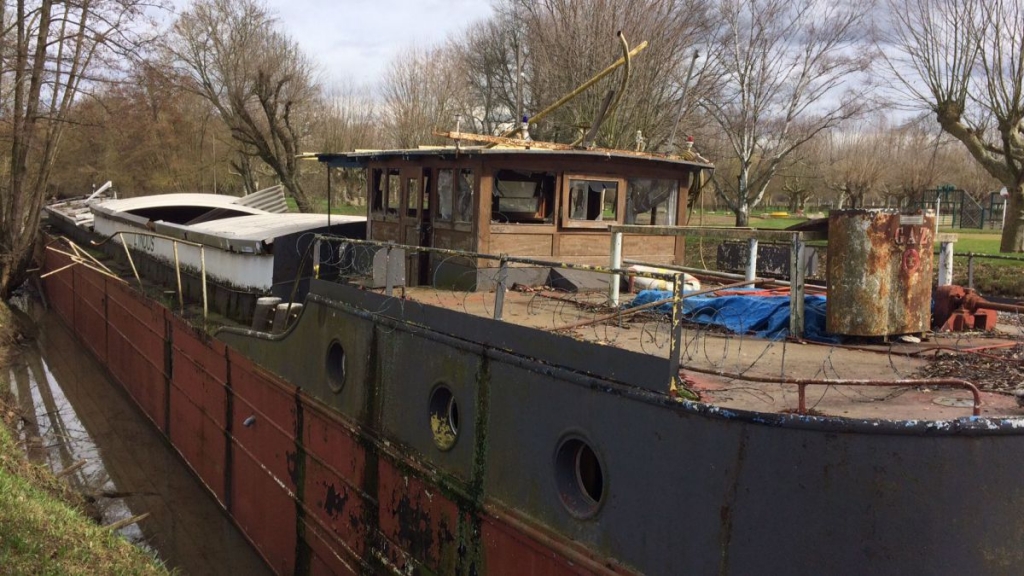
(353, 40)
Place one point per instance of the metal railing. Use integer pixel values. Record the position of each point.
(972, 255)
(177, 263)
(797, 261)
(677, 386)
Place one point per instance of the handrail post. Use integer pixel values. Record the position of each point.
(202, 279)
(970, 270)
(945, 264)
(389, 282)
(751, 259)
(797, 273)
(676, 340)
(499, 294)
(316, 258)
(128, 253)
(615, 264)
(177, 273)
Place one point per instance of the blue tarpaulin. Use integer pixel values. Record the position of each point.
(765, 316)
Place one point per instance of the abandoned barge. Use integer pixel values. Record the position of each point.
(421, 435)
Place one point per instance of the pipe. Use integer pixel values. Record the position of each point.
(579, 90)
(617, 97)
(802, 383)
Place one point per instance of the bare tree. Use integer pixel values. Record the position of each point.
(963, 60)
(347, 121)
(422, 91)
(50, 52)
(779, 67)
(856, 160)
(560, 44)
(256, 77)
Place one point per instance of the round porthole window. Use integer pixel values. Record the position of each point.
(335, 366)
(580, 477)
(444, 417)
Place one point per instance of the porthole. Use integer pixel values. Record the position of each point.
(444, 417)
(580, 477)
(335, 366)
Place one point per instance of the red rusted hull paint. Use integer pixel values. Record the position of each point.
(136, 340)
(263, 456)
(297, 479)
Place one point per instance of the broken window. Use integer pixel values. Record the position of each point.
(650, 201)
(523, 197)
(445, 180)
(394, 191)
(377, 190)
(464, 196)
(593, 200)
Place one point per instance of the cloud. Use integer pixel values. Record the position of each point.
(353, 41)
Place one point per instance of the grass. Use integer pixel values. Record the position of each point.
(320, 206)
(976, 241)
(42, 533)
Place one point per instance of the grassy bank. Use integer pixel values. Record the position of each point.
(40, 531)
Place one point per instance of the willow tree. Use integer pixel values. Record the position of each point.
(963, 60)
(257, 78)
(50, 52)
(783, 71)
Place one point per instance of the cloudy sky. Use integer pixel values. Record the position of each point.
(353, 40)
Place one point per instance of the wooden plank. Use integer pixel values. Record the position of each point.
(583, 245)
(644, 246)
(386, 231)
(452, 240)
(521, 245)
(717, 232)
(523, 229)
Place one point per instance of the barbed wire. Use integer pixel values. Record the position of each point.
(457, 281)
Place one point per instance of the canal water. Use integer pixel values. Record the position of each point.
(72, 412)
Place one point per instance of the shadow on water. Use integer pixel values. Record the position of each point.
(72, 412)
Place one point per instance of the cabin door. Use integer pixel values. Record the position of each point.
(416, 228)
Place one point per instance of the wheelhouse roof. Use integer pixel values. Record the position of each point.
(360, 158)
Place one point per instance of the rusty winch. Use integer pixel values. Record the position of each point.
(958, 309)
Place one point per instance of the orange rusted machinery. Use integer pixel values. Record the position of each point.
(958, 309)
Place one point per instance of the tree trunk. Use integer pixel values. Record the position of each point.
(8, 331)
(1013, 228)
(742, 216)
(291, 183)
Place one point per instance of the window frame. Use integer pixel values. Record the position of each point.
(673, 203)
(620, 200)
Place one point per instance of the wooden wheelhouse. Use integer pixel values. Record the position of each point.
(551, 205)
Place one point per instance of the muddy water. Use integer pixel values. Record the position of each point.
(73, 412)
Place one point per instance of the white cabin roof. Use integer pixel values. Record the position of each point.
(266, 227)
(179, 199)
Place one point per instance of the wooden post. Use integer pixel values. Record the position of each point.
(797, 272)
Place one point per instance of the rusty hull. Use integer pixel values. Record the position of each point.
(879, 272)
